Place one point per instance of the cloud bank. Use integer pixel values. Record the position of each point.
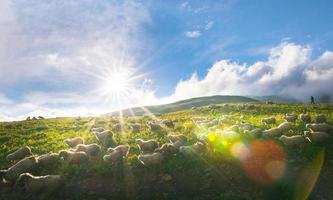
(288, 71)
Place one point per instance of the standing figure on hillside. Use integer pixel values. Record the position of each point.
(312, 100)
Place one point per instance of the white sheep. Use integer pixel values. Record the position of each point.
(117, 127)
(320, 118)
(40, 187)
(49, 159)
(153, 159)
(198, 147)
(124, 149)
(149, 145)
(175, 138)
(113, 157)
(153, 126)
(293, 140)
(306, 118)
(90, 149)
(103, 136)
(319, 127)
(70, 157)
(170, 148)
(273, 132)
(285, 126)
(98, 129)
(317, 137)
(269, 120)
(25, 165)
(257, 132)
(168, 123)
(290, 117)
(19, 154)
(73, 142)
(136, 127)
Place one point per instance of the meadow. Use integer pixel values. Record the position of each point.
(229, 168)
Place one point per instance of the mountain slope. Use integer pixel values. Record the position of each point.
(185, 104)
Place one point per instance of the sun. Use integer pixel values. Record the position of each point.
(116, 82)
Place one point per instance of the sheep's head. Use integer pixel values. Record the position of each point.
(139, 141)
(22, 180)
(307, 133)
(110, 150)
(283, 138)
(2, 174)
(308, 126)
(63, 154)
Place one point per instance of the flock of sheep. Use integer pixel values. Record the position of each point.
(318, 132)
(19, 174)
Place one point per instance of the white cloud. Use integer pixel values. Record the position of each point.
(193, 34)
(209, 25)
(43, 38)
(288, 71)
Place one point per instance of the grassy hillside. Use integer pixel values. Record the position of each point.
(222, 171)
(186, 104)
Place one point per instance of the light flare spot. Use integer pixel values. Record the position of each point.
(275, 169)
(211, 137)
(240, 151)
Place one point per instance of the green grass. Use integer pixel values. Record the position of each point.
(213, 175)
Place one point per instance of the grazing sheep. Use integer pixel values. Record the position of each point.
(317, 137)
(25, 165)
(257, 132)
(136, 128)
(269, 120)
(273, 132)
(49, 159)
(320, 118)
(103, 136)
(40, 187)
(70, 157)
(90, 149)
(213, 106)
(149, 145)
(293, 140)
(124, 149)
(174, 138)
(198, 147)
(113, 157)
(73, 142)
(290, 117)
(306, 118)
(153, 159)
(98, 129)
(170, 148)
(285, 126)
(168, 123)
(153, 126)
(319, 127)
(19, 154)
(117, 127)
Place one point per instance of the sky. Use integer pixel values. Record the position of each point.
(88, 57)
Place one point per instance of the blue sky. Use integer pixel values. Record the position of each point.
(57, 57)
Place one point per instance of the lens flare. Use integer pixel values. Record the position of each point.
(211, 137)
(266, 162)
(240, 151)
